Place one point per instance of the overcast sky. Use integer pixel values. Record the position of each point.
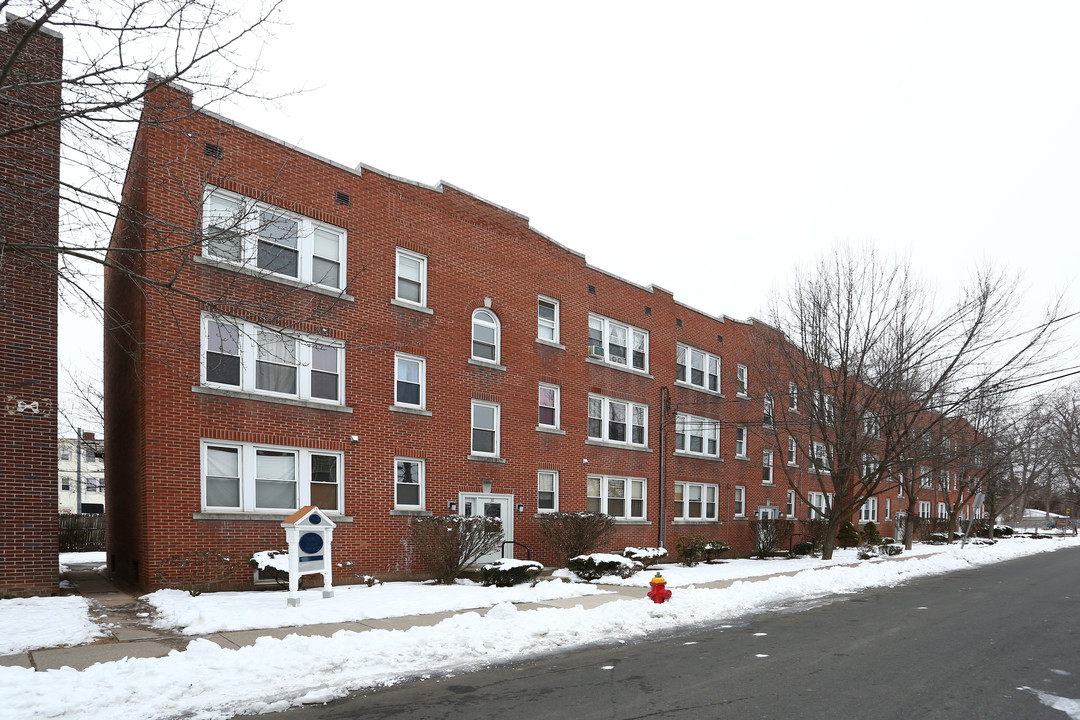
(709, 147)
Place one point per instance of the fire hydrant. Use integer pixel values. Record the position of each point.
(658, 592)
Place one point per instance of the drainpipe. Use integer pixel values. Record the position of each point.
(78, 471)
(661, 533)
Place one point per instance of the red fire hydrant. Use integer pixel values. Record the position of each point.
(658, 592)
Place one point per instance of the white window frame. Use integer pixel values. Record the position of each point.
(888, 508)
(473, 428)
(740, 441)
(600, 348)
(926, 478)
(925, 509)
(793, 397)
(791, 508)
(819, 457)
(869, 510)
(742, 380)
(554, 477)
(402, 253)
(817, 503)
(556, 407)
(792, 450)
(485, 318)
(942, 511)
(633, 411)
(689, 427)
(602, 501)
(768, 410)
(305, 349)
(767, 468)
(824, 408)
(739, 501)
(245, 221)
(420, 482)
(686, 357)
(422, 370)
(545, 325)
(708, 494)
(246, 478)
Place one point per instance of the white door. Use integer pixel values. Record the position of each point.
(898, 526)
(491, 506)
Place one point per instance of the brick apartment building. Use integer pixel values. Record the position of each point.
(29, 216)
(309, 333)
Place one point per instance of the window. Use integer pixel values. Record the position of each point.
(823, 408)
(548, 415)
(740, 501)
(65, 483)
(869, 466)
(742, 381)
(871, 426)
(767, 404)
(547, 319)
(244, 477)
(485, 428)
(620, 497)
(697, 367)
(790, 509)
(766, 467)
(618, 344)
(485, 336)
(241, 231)
(65, 454)
(697, 435)
(942, 511)
(926, 479)
(411, 278)
(608, 420)
(888, 508)
(793, 397)
(696, 501)
(818, 505)
(792, 451)
(924, 509)
(408, 483)
(868, 511)
(410, 380)
(819, 455)
(740, 441)
(242, 356)
(547, 491)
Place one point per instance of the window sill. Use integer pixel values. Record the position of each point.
(542, 513)
(689, 521)
(409, 410)
(487, 364)
(632, 522)
(550, 344)
(620, 368)
(742, 395)
(241, 395)
(695, 456)
(742, 457)
(486, 458)
(259, 516)
(618, 446)
(401, 512)
(412, 306)
(550, 430)
(698, 388)
(264, 275)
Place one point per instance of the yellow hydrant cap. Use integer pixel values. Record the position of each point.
(657, 579)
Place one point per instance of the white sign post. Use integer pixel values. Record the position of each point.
(309, 534)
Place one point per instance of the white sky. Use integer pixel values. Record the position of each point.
(707, 147)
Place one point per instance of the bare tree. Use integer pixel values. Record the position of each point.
(881, 370)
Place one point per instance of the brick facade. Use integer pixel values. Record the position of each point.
(29, 215)
(171, 427)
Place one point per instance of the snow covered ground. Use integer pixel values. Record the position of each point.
(207, 681)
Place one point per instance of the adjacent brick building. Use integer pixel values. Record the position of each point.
(308, 333)
(29, 218)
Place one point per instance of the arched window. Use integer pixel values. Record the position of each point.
(485, 335)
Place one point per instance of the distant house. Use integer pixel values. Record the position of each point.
(29, 227)
(81, 474)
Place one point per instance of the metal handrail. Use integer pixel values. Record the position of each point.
(528, 552)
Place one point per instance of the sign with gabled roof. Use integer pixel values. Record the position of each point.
(309, 534)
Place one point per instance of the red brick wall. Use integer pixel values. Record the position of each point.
(475, 252)
(29, 216)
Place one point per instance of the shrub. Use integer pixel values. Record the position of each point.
(867, 551)
(892, 549)
(816, 530)
(447, 544)
(274, 564)
(647, 556)
(597, 565)
(693, 549)
(938, 538)
(848, 535)
(803, 548)
(508, 571)
(573, 534)
(768, 534)
(870, 533)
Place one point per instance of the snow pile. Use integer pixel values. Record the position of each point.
(30, 623)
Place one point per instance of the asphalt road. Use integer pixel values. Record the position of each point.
(953, 646)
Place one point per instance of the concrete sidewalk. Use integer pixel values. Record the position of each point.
(126, 621)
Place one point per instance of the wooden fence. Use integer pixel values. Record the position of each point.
(82, 533)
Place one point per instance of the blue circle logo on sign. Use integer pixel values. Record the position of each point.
(311, 543)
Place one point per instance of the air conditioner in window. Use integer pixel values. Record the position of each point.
(596, 352)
